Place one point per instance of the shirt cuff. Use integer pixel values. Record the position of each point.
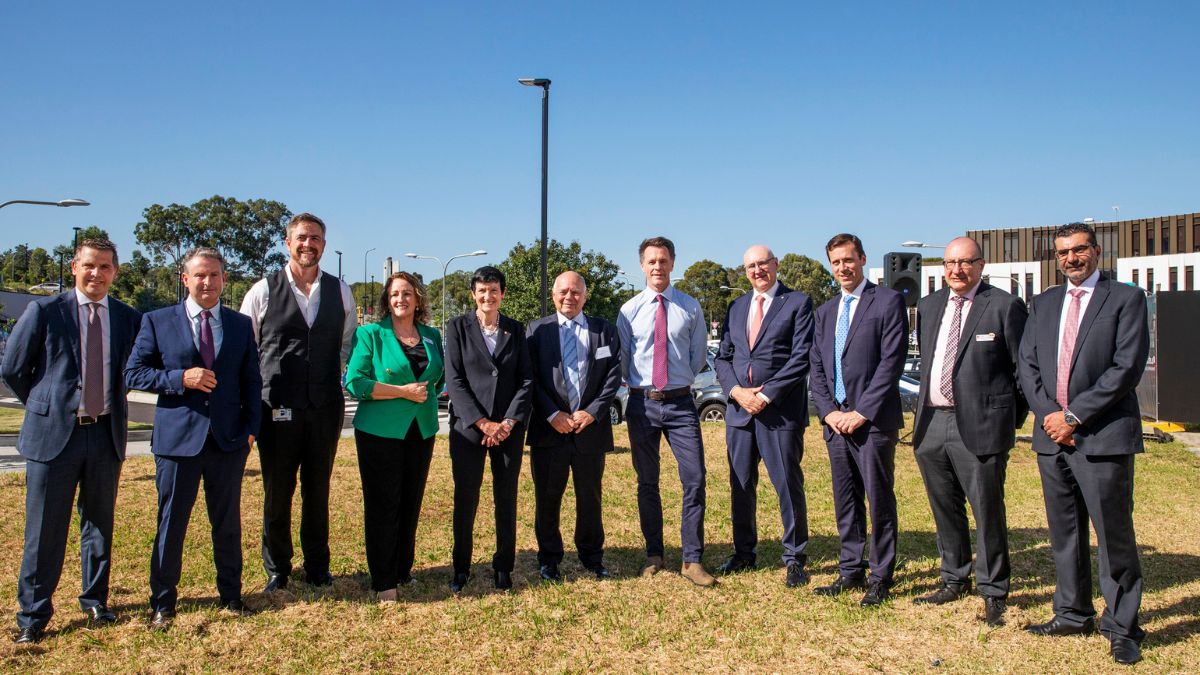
(763, 397)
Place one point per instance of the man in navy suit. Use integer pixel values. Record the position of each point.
(762, 365)
(857, 356)
(202, 361)
(577, 371)
(64, 362)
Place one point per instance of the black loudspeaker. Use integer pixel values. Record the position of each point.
(902, 272)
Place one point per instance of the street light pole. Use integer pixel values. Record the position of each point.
(544, 83)
(365, 281)
(339, 265)
(445, 267)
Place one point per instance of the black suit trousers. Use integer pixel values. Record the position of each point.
(550, 466)
(466, 465)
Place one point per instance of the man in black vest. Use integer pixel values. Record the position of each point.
(303, 319)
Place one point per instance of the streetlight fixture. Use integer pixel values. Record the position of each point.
(62, 202)
(544, 83)
(365, 288)
(921, 244)
(339, 265)
(445, 267)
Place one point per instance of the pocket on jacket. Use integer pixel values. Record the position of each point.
(37, 406)
(1000, 400)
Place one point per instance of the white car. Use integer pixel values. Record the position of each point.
(48, 287)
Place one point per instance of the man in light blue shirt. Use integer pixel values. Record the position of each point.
(663, 347)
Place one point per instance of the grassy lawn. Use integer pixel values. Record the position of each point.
(11, 419)
(748, 622)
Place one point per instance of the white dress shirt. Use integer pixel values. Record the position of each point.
(254, 305)
(83, 315)
(857, 293)
(939, 353)
(767, 296)
(1089, 288)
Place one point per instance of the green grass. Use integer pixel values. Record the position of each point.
(748, 622)
(12, 418)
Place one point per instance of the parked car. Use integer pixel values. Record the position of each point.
(706, 391)
(48, 287)
(912, 367)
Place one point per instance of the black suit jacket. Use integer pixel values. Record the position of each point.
(1107, 363)
(988, 404)
(43, 367)
(550, 384)
(482, 385)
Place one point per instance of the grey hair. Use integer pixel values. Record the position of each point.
(202, 252)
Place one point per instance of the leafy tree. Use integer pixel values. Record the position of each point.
(458, 296)
(522, 271)
(704, 281)
(802, 273)
(244, 232)
(167, 232)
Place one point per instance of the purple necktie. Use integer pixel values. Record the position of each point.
(208, 353)
(93, 376)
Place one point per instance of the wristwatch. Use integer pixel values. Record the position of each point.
(1070, 418)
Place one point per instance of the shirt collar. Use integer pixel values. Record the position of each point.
(771, 292)
(669, 293)
(579, 319)
(969, 295)
(84, 300)
(194, 309)
(292, 280)
(1089, 284)
(858, 290)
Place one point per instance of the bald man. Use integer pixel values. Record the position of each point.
(763, 367)
(577, 371)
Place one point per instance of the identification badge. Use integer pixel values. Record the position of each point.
(985, 337)
(603, 352)
(281, 415)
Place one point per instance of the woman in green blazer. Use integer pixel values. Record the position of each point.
(395, 371)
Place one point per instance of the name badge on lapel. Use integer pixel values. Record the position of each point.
(985, 337)
(603, 352)
(281, 415)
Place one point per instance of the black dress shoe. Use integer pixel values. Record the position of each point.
(945, 593)
(600, 571)
(503, 580)
(236, 606)
(840, 585)
(1057, 626)
(550, 574)
(459, 581)
(1125, 651)
(161, 621)
(101, 615)
(796, 576)
(993, 611)
(276, 582)
(29, 636)
(319, 579)
(736, 563)
(877, 592)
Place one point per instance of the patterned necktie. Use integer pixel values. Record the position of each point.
(839, 346)
(93, 377)
(658, 376)
(1070, 332)
(208, 352)
(570, 355)
(756, 319)
(946, 383)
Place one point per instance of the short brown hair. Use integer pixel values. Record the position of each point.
(842, 240)
(202, 252)
(305, 217)
(661, 242)
(421, 314)
(99, 245)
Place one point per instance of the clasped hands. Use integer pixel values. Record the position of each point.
(747, 398)
(845, 423)
(1056, 427)
(571, 423)
(494, 433)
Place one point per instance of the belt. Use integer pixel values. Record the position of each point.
(661, 394)
(84, 420)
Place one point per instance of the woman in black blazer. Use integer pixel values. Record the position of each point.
(489, 378)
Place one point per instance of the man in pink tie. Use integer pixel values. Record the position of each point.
(763, 367)
(664, 345)
(1082, 356)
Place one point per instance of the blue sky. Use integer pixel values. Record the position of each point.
(718, 125)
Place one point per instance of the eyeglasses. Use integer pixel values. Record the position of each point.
(1079, 251)
(760, 265)
(966, 262)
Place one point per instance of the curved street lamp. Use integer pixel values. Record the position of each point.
(62, 202)
(445, 267)
(544, 83)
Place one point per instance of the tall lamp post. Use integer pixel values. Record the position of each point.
(339, 265)
(61, 202)
(365, 289)
(544, 83)
(445, 267)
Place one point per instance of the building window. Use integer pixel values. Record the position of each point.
(1188, 284)
(1010, 247)
(1180, 236)
(1150, 280)
(987, 247)
(932, 282)
(1136, 248)
(1149, 239)
(1195, 233)
(1173, 278)
(1135, 278)
(1028, 286)
(1166, 238)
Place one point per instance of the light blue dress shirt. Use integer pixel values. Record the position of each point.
(214, 322)
(687, 338)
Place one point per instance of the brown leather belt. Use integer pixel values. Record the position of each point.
(661, 394)
(84, 420)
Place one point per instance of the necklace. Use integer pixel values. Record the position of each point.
(488, 330)
(410, 340)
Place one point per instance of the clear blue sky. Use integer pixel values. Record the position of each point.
(716, 124)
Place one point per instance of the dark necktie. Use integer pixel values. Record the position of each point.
(658, 376)
(93, 377)
(946, 383)
(208, 352)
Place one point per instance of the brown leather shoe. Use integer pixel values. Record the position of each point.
(695, 573)
(654, 565)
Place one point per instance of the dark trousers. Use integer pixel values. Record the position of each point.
(781, 450)
(676, 419)
(1078, 488)
(178, 480)
(89, 461)
(953, 477)
(306, 444)
(550, 466)
(466, 465)
(863, 467)
(394, 472)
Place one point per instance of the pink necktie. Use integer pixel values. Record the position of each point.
(756, 319)
(1070, 332)
(93, 377)
(946, 384)
(659, 375)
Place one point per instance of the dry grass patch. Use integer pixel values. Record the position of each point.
(749, 622)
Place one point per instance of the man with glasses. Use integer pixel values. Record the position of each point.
(968, 411)
(1082, 356)
(762, 366)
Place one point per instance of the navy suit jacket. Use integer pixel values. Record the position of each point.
(42, 365)
(1109, 357)
(872, 361)
(550, 384)
(779, 359)
(233, 410)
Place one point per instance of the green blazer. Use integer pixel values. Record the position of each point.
(376, 356)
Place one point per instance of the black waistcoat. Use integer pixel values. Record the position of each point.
(301, 366)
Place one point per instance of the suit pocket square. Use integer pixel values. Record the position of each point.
(985, 337)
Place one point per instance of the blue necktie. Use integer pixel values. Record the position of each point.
(839, 345)
(571, 362)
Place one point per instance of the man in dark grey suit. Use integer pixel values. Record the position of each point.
(576, 373)
(1082, 355)
(64, 362)
(967, 414)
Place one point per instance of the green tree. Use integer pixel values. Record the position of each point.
(458, 296)
(802, 273)
(703, 280)
(245, 232)
(522, 271)
(167, 232)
